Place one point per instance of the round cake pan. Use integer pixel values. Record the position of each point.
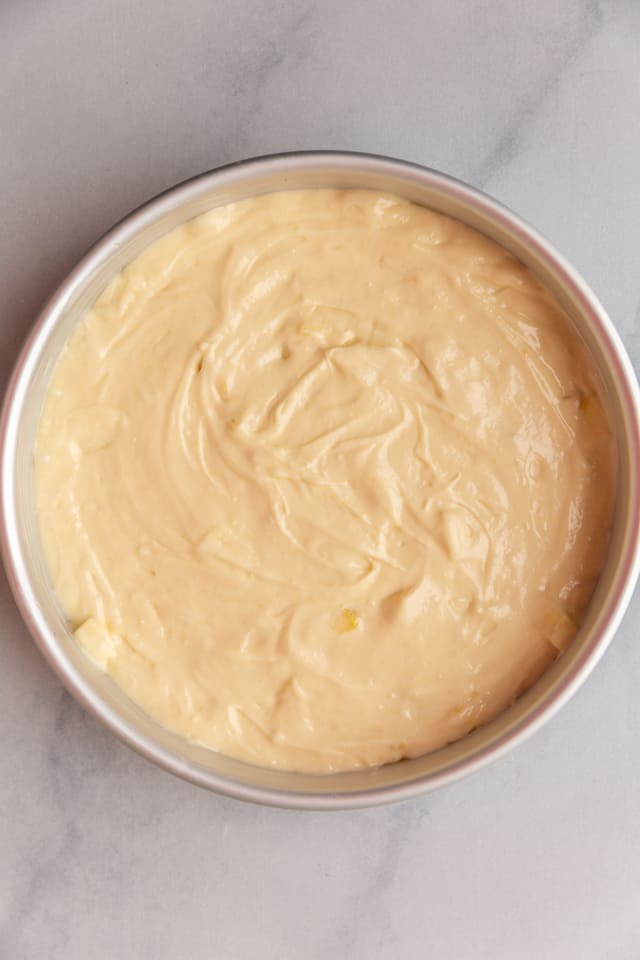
(21, 545)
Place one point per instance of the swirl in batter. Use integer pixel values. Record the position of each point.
(324, 480)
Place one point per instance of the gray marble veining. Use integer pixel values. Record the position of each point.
(102, 855)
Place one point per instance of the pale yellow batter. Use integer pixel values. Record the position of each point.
(324, 480)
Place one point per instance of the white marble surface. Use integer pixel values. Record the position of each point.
(102, 104)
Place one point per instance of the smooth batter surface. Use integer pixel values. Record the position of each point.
(324, 480)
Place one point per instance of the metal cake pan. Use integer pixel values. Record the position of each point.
(20, 539)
